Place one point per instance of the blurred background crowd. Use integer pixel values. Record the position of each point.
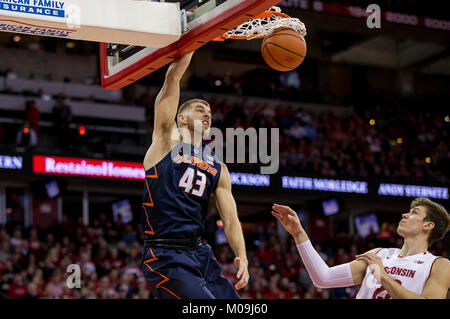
(33, 263)
(391, 138)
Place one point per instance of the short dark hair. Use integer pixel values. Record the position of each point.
(187, 105)
(435, 213)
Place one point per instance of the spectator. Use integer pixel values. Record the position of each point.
(4, 251)
(16, 240)
(129, 235)
(62, 118)
(18, 288)
(32, 292)
(34, 243)
(33, 115)
(55, 287)
(26, 136)
(296, 131)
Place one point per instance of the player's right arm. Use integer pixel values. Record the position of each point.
(323, 276)
(166, 107)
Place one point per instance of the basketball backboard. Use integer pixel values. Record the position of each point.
(119, 21)
(201, 22)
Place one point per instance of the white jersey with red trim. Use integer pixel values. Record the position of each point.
(411, 272)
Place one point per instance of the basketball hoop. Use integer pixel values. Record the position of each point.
(262, 25)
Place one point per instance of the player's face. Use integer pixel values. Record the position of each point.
(412, 223)
(199, 118)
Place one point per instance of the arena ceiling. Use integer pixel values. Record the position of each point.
(348, 40)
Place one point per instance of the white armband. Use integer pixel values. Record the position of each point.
(322, 275)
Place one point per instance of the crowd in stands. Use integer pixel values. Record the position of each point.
(34, 263)
(395, 145)
(382, 142)
(383, 136)
(394, 138)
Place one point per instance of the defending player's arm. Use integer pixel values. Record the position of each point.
(436, 287)
(323, 276)
(166, 107)
(232, 227)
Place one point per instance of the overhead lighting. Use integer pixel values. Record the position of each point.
(372, 122)
(82, 130)
(399, 140)
(428, 160)
(17, 38)
(70, 45)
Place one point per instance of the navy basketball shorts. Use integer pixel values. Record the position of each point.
(186, 274)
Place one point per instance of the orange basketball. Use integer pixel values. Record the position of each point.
(284, 49)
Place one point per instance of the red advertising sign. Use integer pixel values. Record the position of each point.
(87, 167)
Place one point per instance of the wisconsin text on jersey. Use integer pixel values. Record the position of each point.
(195, 161)
(400, 271)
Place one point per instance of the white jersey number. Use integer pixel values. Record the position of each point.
(187, 182)
(377, 294)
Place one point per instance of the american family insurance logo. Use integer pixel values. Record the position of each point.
(87, 167)
(35, 7)
(26, 28)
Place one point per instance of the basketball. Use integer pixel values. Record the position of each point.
(284, 49)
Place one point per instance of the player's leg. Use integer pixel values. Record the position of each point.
(222, 288)
(172, 275)
(181, 284)
(218, 285)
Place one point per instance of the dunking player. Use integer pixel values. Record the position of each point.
(407, 273)
(179, 181)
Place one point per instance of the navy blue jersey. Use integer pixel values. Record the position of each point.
(177, 192)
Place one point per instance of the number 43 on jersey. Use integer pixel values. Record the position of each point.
(193, 182)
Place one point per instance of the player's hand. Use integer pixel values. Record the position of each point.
(288, 219)
(179, 66)
(243, 276)
(374, 263)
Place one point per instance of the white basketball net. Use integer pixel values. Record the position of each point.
(259, 28)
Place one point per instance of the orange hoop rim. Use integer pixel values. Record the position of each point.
(268, 14)
(263, 15)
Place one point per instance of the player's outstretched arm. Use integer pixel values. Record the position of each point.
(344, 275)
(232, 227)
(166, 103)
(436, 287)
(166, 107)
